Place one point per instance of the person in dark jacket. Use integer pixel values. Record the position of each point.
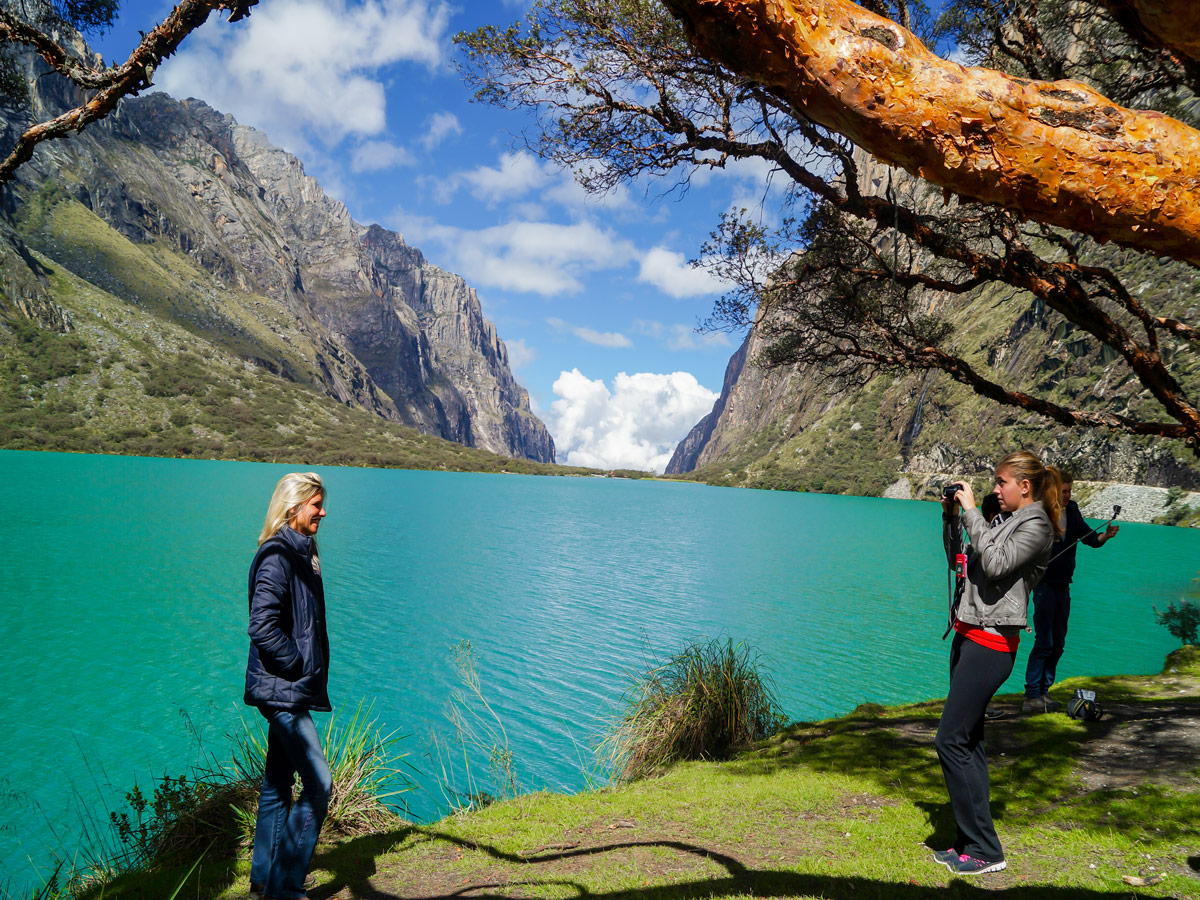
(286, 678)
(1052, 600)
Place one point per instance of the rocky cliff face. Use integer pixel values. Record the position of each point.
(787, 427)
(258, 261)
(699, 440)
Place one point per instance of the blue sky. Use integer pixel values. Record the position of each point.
(592, 296)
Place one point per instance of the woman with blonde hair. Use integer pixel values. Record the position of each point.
(286, 678)
(1005, 560)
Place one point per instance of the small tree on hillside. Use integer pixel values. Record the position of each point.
(1182, 619)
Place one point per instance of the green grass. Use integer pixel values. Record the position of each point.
(844, 809)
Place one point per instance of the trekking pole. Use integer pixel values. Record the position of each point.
(1116, 512)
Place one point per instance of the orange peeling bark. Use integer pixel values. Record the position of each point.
(1057, 152)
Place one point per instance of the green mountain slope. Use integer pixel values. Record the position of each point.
(168, 228)
(149, 374)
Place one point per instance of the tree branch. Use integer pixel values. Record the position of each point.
(113, 84)
(1172, 24)
(1058, 152)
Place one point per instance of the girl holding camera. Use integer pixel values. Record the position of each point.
(1006, 559)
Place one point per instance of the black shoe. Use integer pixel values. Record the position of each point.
(945, 857)
(994, 712)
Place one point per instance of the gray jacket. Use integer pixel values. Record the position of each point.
(1005, 562)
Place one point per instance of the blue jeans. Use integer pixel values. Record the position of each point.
(286, 835)
(1051, 609)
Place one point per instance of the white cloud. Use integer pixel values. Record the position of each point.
(538, 257)
(517, 175)
(960, 55)
(568, 193)
(521, 174)
(681, 337)
(307, 71)
(599, 338)
(374, 156)
(636, 425)
(441, 126)
(670, 273)
(753, 169)
(520, 354)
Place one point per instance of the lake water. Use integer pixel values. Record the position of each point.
(124, 611)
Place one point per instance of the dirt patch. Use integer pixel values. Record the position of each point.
(662, 853)
(1156, 741)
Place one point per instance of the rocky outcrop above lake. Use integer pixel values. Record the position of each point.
(789, 427)
(257, 261)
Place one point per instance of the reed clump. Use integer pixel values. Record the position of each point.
(369, 774)
(210, 811)
(706, 702)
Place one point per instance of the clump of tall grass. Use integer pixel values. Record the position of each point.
(369, 774)
(210, 811)
(706, 702)
(182, 819)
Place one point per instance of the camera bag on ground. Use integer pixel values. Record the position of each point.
(1084, 706)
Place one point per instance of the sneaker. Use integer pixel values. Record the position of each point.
(994, 712)
(1034, 704)
(945, 857)
(1051, 705)
(971, 865)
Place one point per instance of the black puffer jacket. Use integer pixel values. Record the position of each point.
(289, 649)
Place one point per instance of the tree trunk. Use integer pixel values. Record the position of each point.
(1174, 24)
(1056, 152)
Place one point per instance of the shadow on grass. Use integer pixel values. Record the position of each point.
(353, 866)
(1034, 761)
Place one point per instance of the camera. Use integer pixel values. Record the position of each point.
(949, 490)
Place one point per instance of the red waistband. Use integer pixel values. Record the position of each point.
(1003, 643)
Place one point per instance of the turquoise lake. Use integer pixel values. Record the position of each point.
(124, 610)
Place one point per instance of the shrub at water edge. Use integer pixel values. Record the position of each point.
(706, 702)
(1182, 619)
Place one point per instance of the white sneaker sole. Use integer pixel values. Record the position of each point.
(994, 867)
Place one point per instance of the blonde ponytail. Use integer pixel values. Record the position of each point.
(1045, 481)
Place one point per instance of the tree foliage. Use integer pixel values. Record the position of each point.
(857, 279)
(1182, 619)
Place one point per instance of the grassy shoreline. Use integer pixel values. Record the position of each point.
(843, 808)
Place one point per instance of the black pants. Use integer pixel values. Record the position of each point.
(976, 673)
